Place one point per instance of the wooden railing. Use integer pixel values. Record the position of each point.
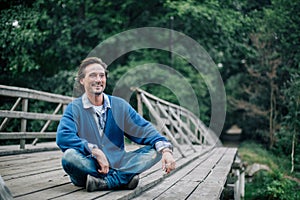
(180, 125)
(23, 97)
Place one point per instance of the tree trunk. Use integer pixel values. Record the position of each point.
(293, 152)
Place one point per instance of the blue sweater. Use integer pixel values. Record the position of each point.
(78, 127)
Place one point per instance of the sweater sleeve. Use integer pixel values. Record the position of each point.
(140, 130)
(67, 132)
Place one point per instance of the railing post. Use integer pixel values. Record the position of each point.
(139, 103)
(23, 122)
(3, 125)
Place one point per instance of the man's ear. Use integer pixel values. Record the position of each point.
(81, 81)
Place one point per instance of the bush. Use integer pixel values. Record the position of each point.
(271, 186)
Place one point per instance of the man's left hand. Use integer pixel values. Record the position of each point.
(168, 162)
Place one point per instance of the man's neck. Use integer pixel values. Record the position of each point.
(95, 99)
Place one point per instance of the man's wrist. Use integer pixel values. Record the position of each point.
(167, 150)
(160, 145)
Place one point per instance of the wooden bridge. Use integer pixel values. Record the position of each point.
(205, 169)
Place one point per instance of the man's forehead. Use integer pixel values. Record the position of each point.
(94, 68)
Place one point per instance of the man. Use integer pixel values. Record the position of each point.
(91, 135)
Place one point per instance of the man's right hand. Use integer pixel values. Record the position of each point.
(102, 160)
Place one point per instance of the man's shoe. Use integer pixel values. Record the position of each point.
(95, 184)
(133, 183)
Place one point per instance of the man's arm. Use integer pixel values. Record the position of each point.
(145, 133)
(67, 137)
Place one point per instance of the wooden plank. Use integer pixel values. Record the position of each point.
(204, 169)
(183, 188)
(29, 170)
(4, 122)
(45, 159)
(56, 185)
(26, 135)
(37, 182)
(29, 115)
(168, 182)
(161, 125)
(208, 191)
(180, 190)
(23, 122)
(161, 108)
(33, 94)
(46, 125)
(152, 97)
(156, 178)
(51, 193)
(15, 150)
(184, 125)
(212, 186)
(23, 159)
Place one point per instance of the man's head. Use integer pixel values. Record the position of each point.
(92, 76)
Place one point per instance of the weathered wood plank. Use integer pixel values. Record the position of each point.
(33, 94)
(153, 179)
(212, 186)
(15, 149)
(207, 191)
(161, 125)
(29, 115)
(26, 135)
(37, 182)
(48, 182)
(169, 181)
(183, 188)
(51, 193)
(180, 190)
(19, 172)
(24, 159)
(147, 179)
(205, 168)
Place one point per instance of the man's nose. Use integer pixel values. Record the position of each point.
(98, 78)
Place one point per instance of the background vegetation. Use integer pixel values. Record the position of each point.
(254, 42)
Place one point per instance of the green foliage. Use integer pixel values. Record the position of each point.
(273, 186)
(251, 153)
(256, 42)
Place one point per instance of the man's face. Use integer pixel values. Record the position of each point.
(94, 81)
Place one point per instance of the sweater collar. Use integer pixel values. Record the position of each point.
(87, 104)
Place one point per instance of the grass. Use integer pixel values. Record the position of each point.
(252, 152)
(268, 185)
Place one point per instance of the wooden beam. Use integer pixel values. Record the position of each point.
(160, 124)
(33, 94)
(3, 124)
(23, 122)
(29, 115)
(48, 123)
(175, 126)
(26, 135)
(189, 132)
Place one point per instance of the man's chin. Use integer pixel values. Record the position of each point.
(98, 93)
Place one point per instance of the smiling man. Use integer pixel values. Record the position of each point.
(91, 135)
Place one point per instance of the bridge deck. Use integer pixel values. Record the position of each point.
(200, 175)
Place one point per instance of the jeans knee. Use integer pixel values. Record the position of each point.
(69, 156)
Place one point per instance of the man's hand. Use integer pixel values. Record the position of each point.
(168, 162)
(102, 160)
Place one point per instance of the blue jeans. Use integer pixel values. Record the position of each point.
(78, 166)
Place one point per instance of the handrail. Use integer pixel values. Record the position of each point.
(33, 94)
(178, 123)
(23, 96)
(172, 118)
